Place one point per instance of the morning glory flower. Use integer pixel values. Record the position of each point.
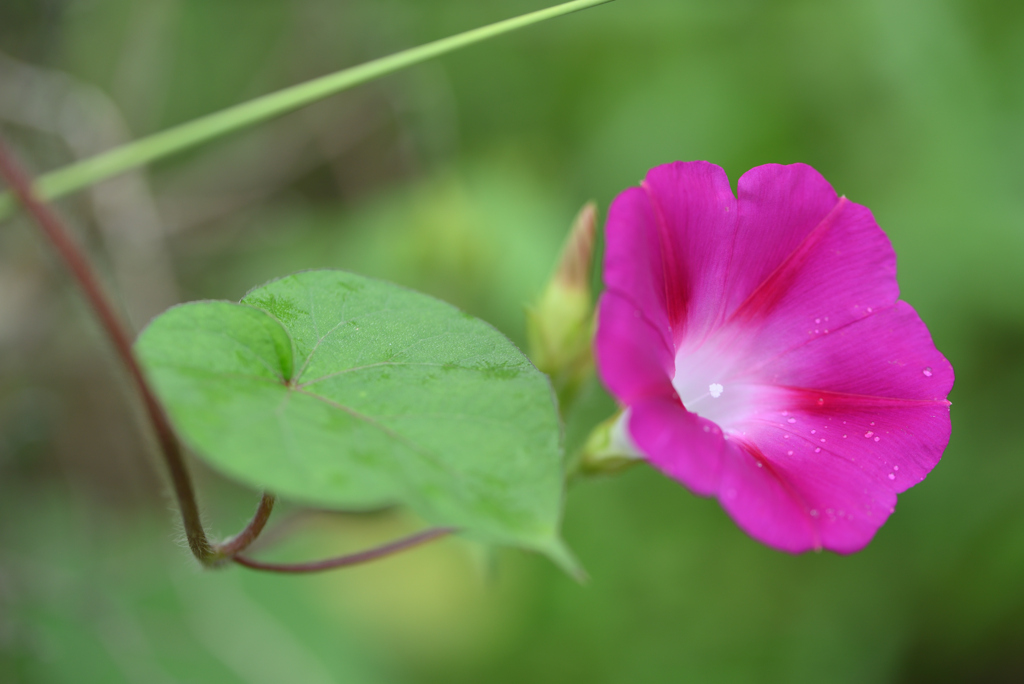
(762, 354)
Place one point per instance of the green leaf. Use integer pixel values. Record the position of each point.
(337, 390)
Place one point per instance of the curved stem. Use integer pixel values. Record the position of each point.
(241, 541)
(76, 261)
(88, 171)
(170, 447)
(345, 561)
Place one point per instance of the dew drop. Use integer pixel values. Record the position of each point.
(895, 467)
(814, 513)
(789, 453)
(791, 420)
(813, 431)
(817, 331)
(869, 309)
(817, 320)
(869, 433)
(927, 372)
(817, 450)
(822, 439)
(872, 422)
(785, 436)
(707, 429)
(821, 401)
(892, 476)
(844, 436)
(715, 389)
(876, 439)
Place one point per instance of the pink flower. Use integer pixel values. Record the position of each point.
(762, 354)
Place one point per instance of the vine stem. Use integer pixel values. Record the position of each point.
(120, 159)
(345, 561)
(241, 541)
(170, 446)
(78, 264)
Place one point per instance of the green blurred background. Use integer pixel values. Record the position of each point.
(459, 177)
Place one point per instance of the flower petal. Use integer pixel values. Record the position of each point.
(875, 425)
(836, 270)
(633, 358)
(668, 245)
(778, 208)
(801, 499)
(886, 354)
(683, 445)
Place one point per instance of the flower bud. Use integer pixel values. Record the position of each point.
(560, 326)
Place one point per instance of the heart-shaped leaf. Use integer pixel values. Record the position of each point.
(337, 390)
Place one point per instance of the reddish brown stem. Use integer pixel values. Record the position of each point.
(76, 261)
(345, 561)
(241, 541)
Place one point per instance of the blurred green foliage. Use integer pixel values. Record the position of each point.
(460, 178)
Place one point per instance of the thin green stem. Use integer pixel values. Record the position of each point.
(120, 159)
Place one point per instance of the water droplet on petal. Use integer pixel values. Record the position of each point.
(822, 439)
(789, 453)
(817, 450)
(707, 429)
(813, 431)
(814, 513)
(877, 438)
(715, 389)
(869, 433)
(791, 420)
(872, 422)
(895, 467)
(817, 320)
(821, 401)
(891, 476)
(927, 372)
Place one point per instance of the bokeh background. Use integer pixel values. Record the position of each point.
(460, 177)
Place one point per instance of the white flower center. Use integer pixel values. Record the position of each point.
(702, 376)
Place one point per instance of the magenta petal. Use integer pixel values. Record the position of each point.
(778, 208)
(887, 354)
(681, 444)
(763, 355)
(632, 357)
(696, 214)
(843, 270)
(801, 499)
(633, 263)
(668, 245)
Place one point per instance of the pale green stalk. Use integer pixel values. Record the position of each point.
(120, 159)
